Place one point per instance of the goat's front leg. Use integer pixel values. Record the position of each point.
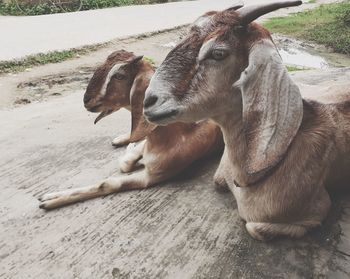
(219, 176)
(268, 231)
(121, 140)
(138, 180)
(134, 152)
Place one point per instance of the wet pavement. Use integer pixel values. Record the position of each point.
(306, 55)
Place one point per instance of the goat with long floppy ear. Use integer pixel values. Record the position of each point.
(280, 150)
(121, 82)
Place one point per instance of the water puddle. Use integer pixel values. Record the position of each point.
(297, 57)
(300, 54)
(309, 56)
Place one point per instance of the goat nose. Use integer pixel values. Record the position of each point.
(150, 101)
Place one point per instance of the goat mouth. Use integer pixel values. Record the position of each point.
(103, 114)
(96, 108)
(159, 118)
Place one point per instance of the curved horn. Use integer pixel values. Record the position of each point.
(251, 13)
(235, 7)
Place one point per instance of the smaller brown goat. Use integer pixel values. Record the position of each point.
(121, 82)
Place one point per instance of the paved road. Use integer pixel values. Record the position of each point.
(22, 36)
(27, 35)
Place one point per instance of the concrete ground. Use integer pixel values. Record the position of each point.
(34, 34)
(179, 229)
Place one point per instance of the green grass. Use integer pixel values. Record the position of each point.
(328, 25)
(16, 8)
(295, 68)
(150, 60)
(14, 66)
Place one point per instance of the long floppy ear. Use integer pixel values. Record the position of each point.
(140, 128)
(272, 107)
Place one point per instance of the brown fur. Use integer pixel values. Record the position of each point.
(166, 151)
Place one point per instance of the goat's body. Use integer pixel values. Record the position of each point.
(286, 202)
(168, 150)
(167, 153)
(339, 175)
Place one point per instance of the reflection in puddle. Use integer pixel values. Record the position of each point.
(293, 56)
(169, 45)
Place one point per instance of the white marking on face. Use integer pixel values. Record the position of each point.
(158, 86)
(111, 73)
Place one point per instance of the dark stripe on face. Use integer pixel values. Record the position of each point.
(179, 67)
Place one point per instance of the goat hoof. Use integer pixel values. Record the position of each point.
(258, 231)
(47, 197)
(43, 205)
(220, 184)
(50, 200)
(120, 141)
(268, 231)
(48, 205)
(125, 168)
(222, 188)
(117, 144)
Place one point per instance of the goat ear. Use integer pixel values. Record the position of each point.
(135, 60)
(272, 107)
(140, 128)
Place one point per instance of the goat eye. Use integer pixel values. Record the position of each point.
(119, 76)
(219, 54)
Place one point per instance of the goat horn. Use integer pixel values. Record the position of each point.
(251, 13)
(235, 7)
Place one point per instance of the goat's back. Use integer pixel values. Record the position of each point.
(333, 119)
